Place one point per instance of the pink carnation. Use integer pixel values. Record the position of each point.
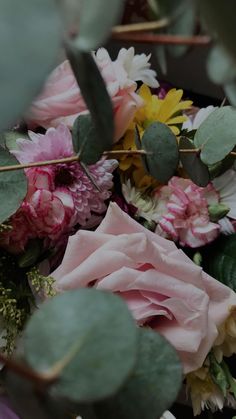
(163, 288)
(59, 196)
(183, 212)
(61, 100)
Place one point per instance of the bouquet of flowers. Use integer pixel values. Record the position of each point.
(118, 223)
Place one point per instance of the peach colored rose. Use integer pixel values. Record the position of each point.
(163, 288)
(61, 100)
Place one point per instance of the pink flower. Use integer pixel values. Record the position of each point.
(61, 101)
(163, 288)
(59, 196)
(183, 212)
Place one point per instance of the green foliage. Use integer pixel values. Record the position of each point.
(100, 133)
(216, 137)
(219, 168)
(182, 16)
(31, 253)
(219, 260)
(217, 211)
(29, 43)
(163, 155)
(91, 348)
(220, 66)
(219, 18)
(96, 21)
(153, 385)
(192, 164)
(29, 401)
(13, 186)
(40, 283)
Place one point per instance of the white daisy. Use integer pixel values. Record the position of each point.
(137, 66)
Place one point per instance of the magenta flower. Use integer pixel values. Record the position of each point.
(59, 196)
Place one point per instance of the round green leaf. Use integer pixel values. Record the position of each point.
(160, 142)
(230, 92)
(96, 21)
(29, 43)
(13, 186)
(216, 137)
(153, 386)
(220, 66)
(220, 19)
(88, 337)
(192, 164)
(85, 140)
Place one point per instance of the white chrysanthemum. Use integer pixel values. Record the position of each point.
(147, 206)
(137, 66)
(195, 121)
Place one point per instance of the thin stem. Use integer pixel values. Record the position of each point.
(67, 160)
(26, 372)
(149, 38)
(187, 150)
(140, 27)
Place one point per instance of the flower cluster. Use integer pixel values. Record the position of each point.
(137, 249)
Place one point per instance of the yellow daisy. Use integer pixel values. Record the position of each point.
(168, 111)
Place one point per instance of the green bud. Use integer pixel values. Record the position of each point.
(217, 211)
(197, 258)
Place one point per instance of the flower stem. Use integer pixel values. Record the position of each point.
(70, 159)
(26, 372)
(140, 27)
(150, 38)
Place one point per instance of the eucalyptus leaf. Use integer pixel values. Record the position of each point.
(13, 186)
(86, 141)
(221, 167)
(163, 155)
(220, 66)
(184, 25)
(29, 43)
(91, 348)
(230, 92)
(153, 386)
(219, 260)
(192, 164)
(220, 19)
(9, 139)
(96, 20)
(95, 94)
(216, 136)
(31, 253)
(181, 14)
(160, 51)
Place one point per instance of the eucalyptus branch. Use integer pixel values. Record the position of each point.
(71, 159)
(140, 27)
(150, 38)
(26, 372)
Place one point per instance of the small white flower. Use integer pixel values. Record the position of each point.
(147, 206)
(196, 120)
(137, 66)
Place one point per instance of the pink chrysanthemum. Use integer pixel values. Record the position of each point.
(59, 196)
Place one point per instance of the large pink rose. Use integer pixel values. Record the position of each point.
(163, 288)
(61, 100)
